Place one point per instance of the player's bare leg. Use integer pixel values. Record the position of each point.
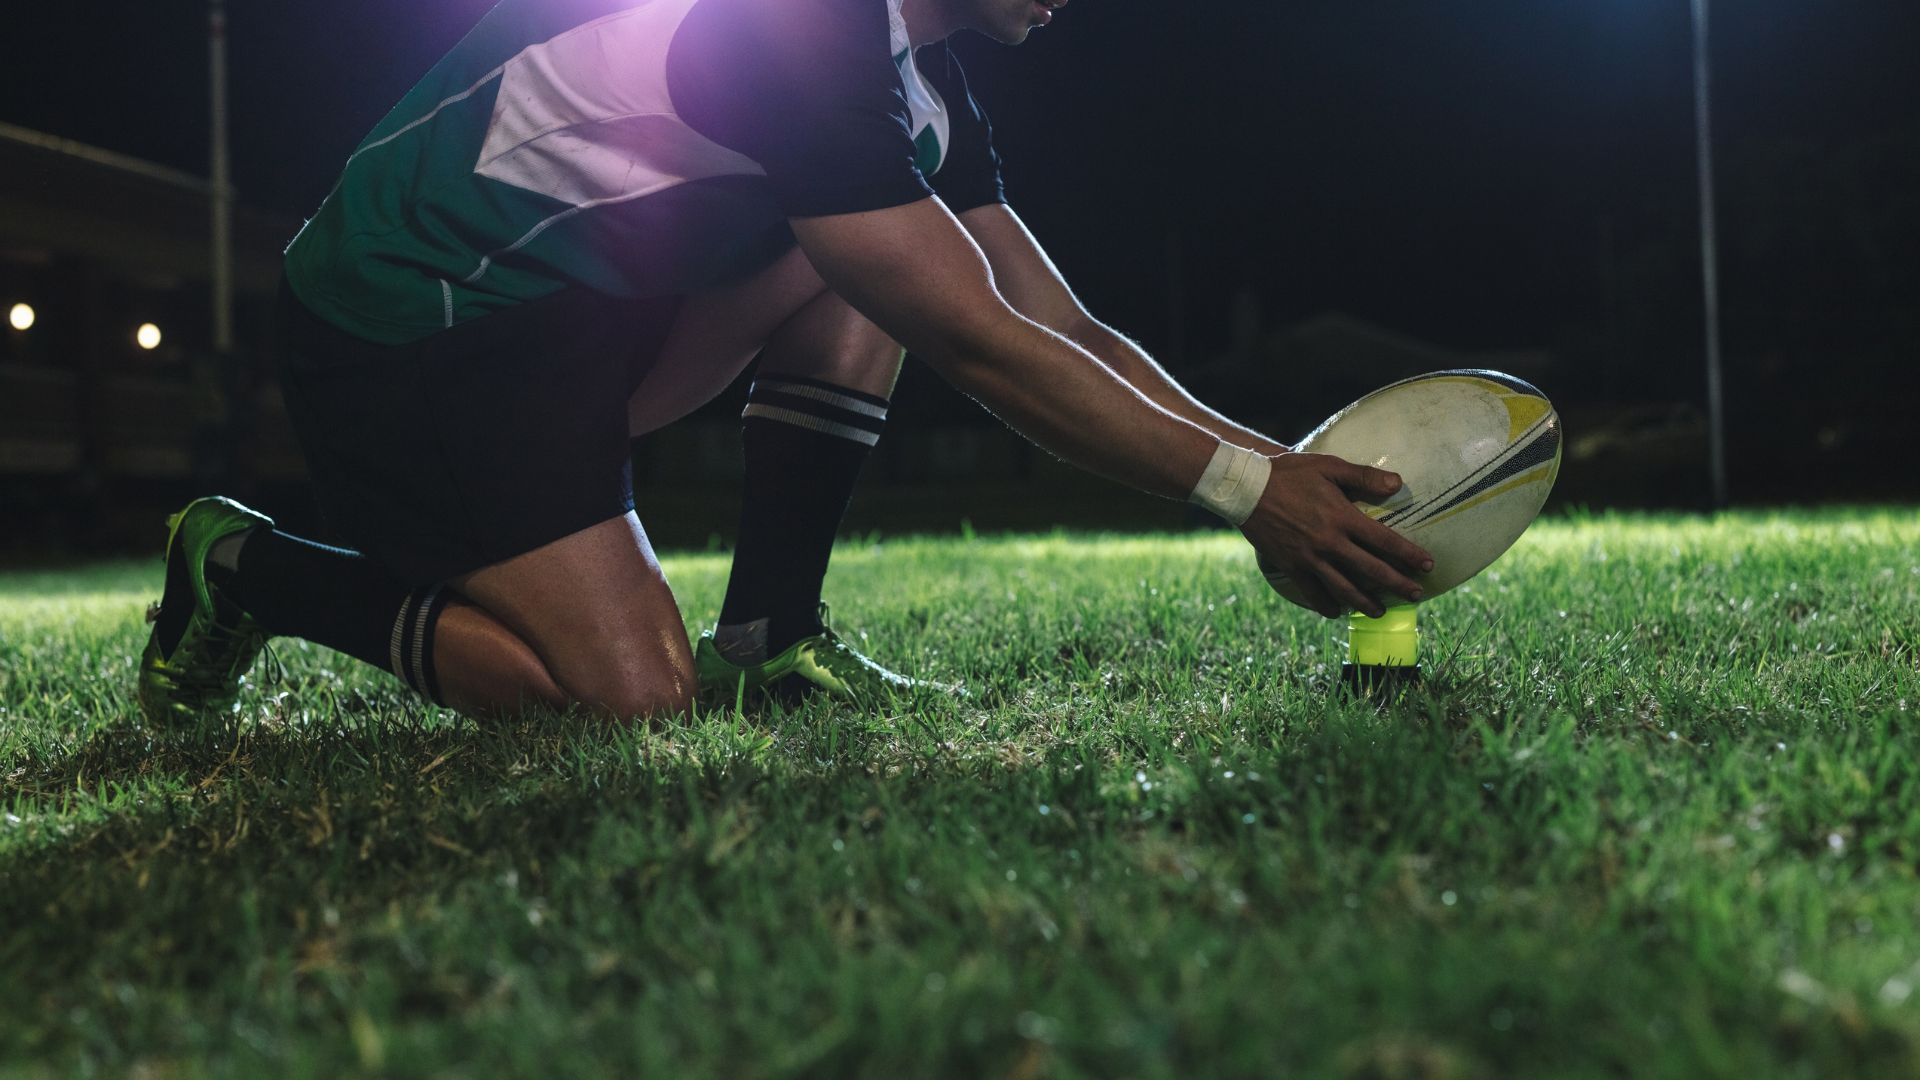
(829, 341)
(825, 377)
(487, 671)
(817, 408)
(715, 336)
(234, 580)
(589, 619)
(594, 607)
(497, 639)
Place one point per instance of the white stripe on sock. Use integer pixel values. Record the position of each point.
(396, 644)
(838, 401)
(811, 423)
(419, 649)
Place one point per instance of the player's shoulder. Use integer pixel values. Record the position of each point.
(811, 16)
(795, 46)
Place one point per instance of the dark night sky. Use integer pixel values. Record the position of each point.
(1484, 173)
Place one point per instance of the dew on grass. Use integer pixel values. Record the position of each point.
(1031, 1025)
(934, 982)
(1895, 991)
(839, 844)
(1246, 819)
(1045, 809)
(1836, 842)
(1803, 986)
(1449, 898)
(1229, 773)
(1013, 875)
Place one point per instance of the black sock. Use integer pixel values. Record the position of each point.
(337, 598)
(805, 443)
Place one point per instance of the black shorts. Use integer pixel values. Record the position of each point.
(479, 443)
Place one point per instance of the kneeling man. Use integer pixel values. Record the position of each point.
(581, 225)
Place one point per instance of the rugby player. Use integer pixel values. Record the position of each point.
(582, 224)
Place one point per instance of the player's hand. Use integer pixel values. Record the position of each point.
(1306, 525)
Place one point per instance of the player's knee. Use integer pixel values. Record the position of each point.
(866, 356)
(533, 682)
(642, 704)
(639, 693)
(835, 343)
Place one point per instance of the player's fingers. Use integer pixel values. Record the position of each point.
(1313, 595)
(1363, 481)
(1367, 567)
(1390, 545)
(1345, 592)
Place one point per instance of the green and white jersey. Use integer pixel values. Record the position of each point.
(639, 149)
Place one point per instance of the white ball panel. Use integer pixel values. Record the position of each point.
(1445, 435)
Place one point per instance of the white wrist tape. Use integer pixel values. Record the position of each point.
(1233, 483)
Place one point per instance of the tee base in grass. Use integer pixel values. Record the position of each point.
(1383, 655)
(1379, 682)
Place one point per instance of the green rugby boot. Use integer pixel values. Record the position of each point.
(821, 663)
(199, 671)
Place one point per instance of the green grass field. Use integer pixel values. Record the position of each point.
(1657, 814)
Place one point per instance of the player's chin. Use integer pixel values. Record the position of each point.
(1015, 29)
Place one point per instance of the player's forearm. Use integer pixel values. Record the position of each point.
(1059, 396)
(1129, 361)
(917, 275)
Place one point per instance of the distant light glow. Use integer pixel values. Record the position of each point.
(147, 337)
(21, 317)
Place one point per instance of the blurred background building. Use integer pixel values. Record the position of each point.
(111, 392)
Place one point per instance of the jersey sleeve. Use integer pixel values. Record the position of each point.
(970, 176)
(807, 90)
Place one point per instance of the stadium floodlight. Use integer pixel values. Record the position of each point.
(1709, 253)
(220, 174)
(147, 337)
(21, 317)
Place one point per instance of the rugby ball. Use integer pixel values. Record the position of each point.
(1477, 452)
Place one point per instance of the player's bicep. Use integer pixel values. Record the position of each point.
(910, 269)
(1026, 277)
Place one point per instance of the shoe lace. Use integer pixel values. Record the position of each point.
(203, 666)
(856, 660)
(838, 645)
(275, 671)
(849, 662)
